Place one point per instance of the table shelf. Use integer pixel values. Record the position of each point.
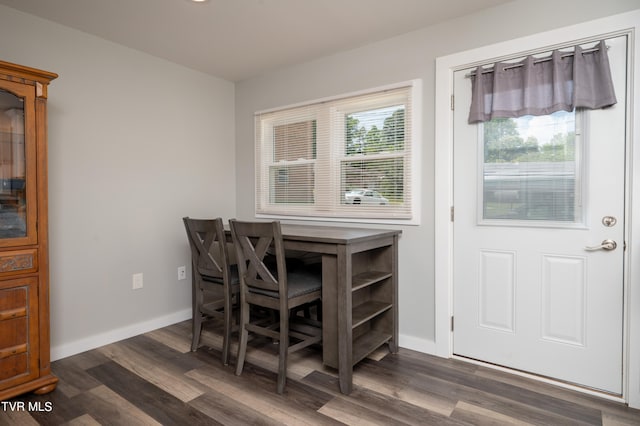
(367, 278)
(367, 343)
(367, 311)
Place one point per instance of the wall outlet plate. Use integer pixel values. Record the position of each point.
(137, 281)
(182, 273)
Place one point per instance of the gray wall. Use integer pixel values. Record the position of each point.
(398, 59)
(135, 144)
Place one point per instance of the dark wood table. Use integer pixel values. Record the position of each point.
(359, 291)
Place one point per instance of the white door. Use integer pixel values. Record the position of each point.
(532, 290)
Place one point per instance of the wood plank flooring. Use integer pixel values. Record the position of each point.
(154, 379)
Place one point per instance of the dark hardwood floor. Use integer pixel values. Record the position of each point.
(155, 379)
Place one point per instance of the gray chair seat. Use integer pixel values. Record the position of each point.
(299, 282)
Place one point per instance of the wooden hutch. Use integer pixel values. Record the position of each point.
(24, 260)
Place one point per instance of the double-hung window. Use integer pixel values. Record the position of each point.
(350, 157)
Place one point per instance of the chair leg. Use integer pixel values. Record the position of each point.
(284, 350)
(244, 335)
(196, 323)
(228, 324)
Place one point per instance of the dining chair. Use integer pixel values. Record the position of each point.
(266, 282)
(215, 282)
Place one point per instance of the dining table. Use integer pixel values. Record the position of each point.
(359, 290)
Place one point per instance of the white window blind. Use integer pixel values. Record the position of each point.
(348, 157)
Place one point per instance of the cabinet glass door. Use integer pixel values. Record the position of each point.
(17, 181)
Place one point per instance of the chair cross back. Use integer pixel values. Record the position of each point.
(207, 241)
(255, 251)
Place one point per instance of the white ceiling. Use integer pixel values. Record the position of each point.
(239, 39)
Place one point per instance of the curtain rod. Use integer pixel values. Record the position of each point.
(537, 61)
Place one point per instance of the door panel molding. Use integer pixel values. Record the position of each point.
(497, 295)
(564, 283)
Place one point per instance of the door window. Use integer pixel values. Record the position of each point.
(531, 171)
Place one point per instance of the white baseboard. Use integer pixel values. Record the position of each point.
(92, 342)
(112, 336)
(417, 344)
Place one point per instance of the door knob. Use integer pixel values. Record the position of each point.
(606, 245)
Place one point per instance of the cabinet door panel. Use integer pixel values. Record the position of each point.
(17, 165)
(14, 368)
(19, 344)
(13, 334)
(12, 297)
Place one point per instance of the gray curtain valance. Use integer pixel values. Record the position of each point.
(541, 86)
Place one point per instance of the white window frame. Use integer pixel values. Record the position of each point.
(334, 156)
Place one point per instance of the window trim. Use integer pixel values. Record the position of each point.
(415, 178)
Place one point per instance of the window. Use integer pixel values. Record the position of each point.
(349, 157)
(532, 170)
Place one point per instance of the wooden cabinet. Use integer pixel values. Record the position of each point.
(24, 266)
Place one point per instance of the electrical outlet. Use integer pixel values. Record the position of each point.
(182, 273)
(137, 281)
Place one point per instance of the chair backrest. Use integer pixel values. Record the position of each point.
(256, 243)
(209, 251)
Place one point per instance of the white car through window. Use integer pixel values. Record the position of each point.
(365, 196)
